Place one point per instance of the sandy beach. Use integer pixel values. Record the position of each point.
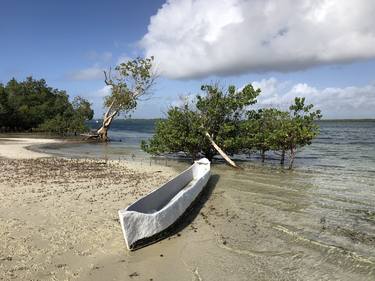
(58, 221)
(16, 148)
(58, 217)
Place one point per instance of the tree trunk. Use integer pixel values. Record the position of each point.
(292, 157)
(282, 161)
(107, 120)
(221, 152)
(263, 155)
(193, 156)
(103, 133)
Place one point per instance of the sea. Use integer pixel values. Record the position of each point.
(323, 210)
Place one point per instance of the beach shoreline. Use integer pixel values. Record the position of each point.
(59, 221)
(58, 216)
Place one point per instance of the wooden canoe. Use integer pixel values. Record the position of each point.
(145, 220)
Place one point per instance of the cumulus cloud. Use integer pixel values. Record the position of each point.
(347, 102)
(198, 38)
(91, 73)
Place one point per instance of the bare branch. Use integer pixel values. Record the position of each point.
(108, 77)
(221, 152)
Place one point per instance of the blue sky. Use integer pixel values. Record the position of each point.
(68, 43)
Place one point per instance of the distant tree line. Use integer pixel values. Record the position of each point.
(32, 105)
(225, 117)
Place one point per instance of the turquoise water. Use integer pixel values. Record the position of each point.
(323, 209)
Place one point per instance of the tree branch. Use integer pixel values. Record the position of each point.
(108, 79)
(109, 108)
(221, 152)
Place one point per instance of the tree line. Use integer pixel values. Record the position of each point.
(225, 118)
(31, 105)
(218, 121)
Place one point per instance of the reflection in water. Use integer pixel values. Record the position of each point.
(319, 217)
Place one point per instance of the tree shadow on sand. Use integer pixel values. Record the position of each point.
(187, 217)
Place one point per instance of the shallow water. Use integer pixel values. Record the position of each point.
(325, 219)
(316, 222)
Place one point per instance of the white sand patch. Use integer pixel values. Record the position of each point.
(16, 148)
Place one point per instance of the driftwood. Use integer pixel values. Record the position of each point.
(221, 152)
(90, 136)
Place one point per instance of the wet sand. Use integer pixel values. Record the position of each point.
(58, 221)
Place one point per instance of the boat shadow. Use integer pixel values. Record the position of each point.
(187, 217)
(194, 209)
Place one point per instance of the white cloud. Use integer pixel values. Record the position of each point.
(91, 73)
(96, 97)
(348, 102)
(106, 90)
(197, 38)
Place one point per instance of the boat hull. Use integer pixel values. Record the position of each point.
(146, 220)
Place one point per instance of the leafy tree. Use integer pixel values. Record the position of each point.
(221, 111)
(5, 111)
(220, 118)
(181, 131)
(258, 129)
(295, 129)
(132, 80)
(203, 127)
(82, 113)
(32, 104)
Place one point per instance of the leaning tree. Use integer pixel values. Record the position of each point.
(209, 126)
(129, 82)
(220, 114)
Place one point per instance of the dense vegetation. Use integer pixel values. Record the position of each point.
(225, 117)
(32, 105)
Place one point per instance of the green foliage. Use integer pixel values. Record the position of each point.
(132, 79)
(221, 112)
(181, 131)
(296, 129)
(280, 131)
(233, 126)
(215, 112)
(257, 130)
(31, 104)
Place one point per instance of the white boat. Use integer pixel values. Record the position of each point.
(145, 221)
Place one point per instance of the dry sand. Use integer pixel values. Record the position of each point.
(59, 221)
(16, 148)
(58, 217)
